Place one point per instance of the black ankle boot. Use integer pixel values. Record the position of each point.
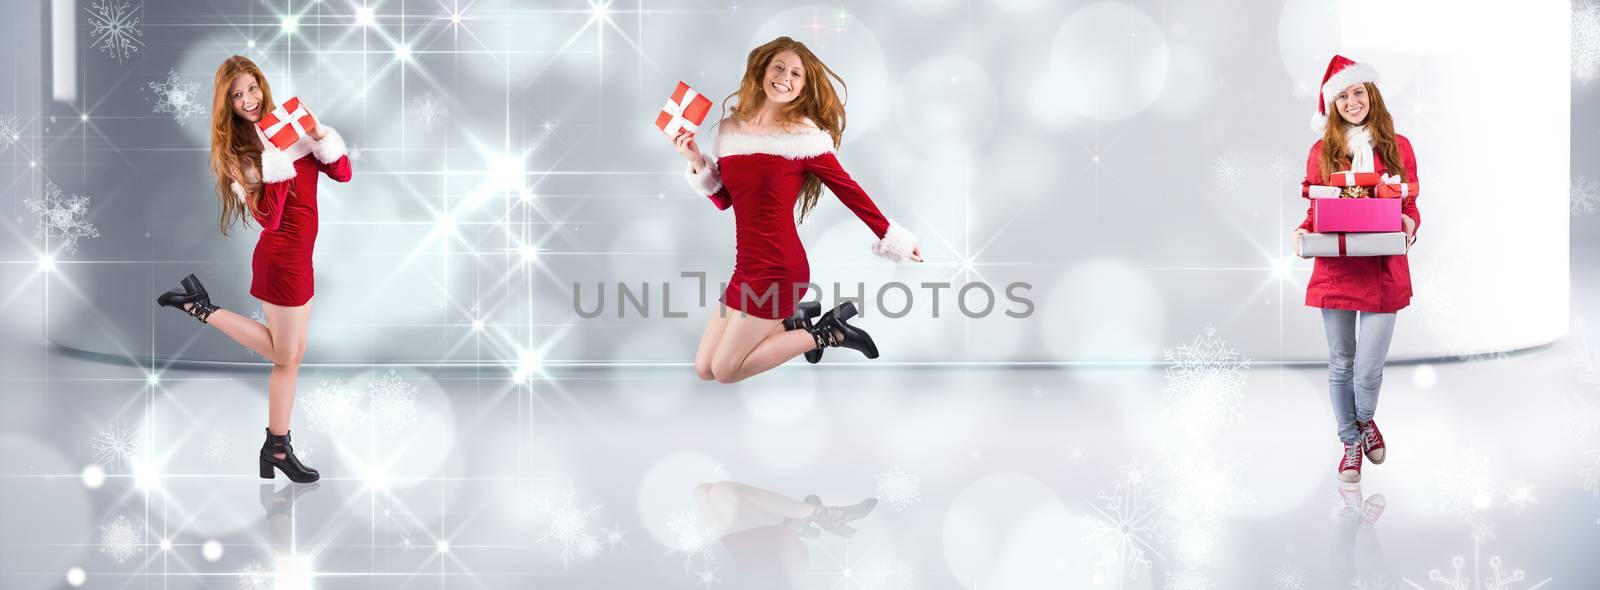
(832, 326)
(193, 294)
(834, 518)
(289, 464)
(802, 321)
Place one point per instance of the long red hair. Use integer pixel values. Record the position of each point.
(1336, 155)
(817, 101)
(234, 147)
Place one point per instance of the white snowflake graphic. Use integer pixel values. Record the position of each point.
(1520, 495)
(10, 131)
(615, 537)
(1188, 580)
(1477, 573)
(898, 488)
(216, 449)
(1205, 383)
(121, 539)
(1289, 577)
(1282, 169)
(176, 97)
(692, 538)
(1464, 484)
(254, 577)
(114, 28)
(65, 219)
(1585, 41)
(332, 408)
(118, 444)
(1585, 195)
(1227, 172)
(1200, 488)
(429, 110)
(1132, 522)
(392, 402)
(569, 527)
(1589, 472)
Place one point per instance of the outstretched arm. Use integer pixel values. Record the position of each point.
(331, 155)
(895, 242)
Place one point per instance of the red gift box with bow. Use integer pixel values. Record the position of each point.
(686, 110)
(286, 124)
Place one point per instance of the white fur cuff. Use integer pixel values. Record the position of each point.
(897, 243)
(238, 191)
(331, 148)
(276, 166)
(706, 180)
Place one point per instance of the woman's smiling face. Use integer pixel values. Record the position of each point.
(1352, 103)
(245, 97)
(784, 78)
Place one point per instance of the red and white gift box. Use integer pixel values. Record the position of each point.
(686, 110)
(1355, 215)
(1321, 192)
(1355, 179)
(286, 124)
(1341, 244)
(1403, 190)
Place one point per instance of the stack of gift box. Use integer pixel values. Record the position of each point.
(1358, 215)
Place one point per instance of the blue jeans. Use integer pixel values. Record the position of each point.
(1355, 365)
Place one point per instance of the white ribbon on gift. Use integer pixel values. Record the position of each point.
(293, 119)
(1317, 191)
(676, 109)
(1396, 180)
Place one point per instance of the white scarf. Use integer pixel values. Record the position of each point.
(1359, 142)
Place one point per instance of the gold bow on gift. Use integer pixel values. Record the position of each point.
(1355, 192)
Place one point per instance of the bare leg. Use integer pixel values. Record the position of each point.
(715, 325)
(774, 350)
(731, 362)
(288, 328)
(773, 503)
(243, 330)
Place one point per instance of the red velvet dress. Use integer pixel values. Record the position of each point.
(281, 272)
(760, 177)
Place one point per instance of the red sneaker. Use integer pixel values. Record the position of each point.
(1350, 464)
(1372, 440)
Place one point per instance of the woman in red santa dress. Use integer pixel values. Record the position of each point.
(1359, 296)
(278, 188)
(774, 152)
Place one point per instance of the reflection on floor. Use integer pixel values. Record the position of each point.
(1208, 473)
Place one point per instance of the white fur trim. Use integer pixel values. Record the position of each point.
(707, 181)
(793, 146)
(331, 148)
(1353, 74)
(238, 191)
(897, 243)
(1319, 123)
(276, 165)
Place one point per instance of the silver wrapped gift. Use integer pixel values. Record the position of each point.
(1353, 244)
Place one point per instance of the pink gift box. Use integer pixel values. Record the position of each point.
(1355, 215)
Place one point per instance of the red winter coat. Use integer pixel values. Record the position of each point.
(1379, 284)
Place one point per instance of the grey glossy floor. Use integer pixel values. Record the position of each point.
(1213, 476)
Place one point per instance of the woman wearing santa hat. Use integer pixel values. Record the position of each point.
(278, 188)
(1358, 296)
(774, 153)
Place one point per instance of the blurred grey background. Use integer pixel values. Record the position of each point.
(1135, 162)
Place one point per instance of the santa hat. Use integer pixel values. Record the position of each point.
(1342, 72)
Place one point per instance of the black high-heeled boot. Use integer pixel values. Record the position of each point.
(834, 518)
(831, 330)
(802, 321)
(290, 465)
(194, 295)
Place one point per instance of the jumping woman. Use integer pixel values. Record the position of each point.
(278, 188)
(774, 152)
(1359, 296)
